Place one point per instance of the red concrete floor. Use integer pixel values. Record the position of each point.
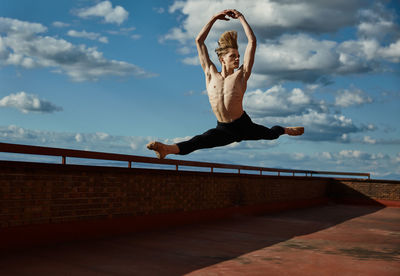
(325, 240)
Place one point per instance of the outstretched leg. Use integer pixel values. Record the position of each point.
(254, 131)
(216, 137)
(224, 134)
(251, 131)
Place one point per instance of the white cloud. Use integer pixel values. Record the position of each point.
(377, 23)
(277, 101)
(326, 155)
(104, 9)
(24, 28)
(125, 32)
(60, 24)
(269, 18)
(356, 154)
(184, 50)
(176, 34)
(23, 46)
(369, 140)
(191, 60)
(346, 98)
(376, 29)
(28, 103)
(390, 53)
(98, 141)
(397, 158)
(297, 107)
(359, 53)
(190, 93)
(78, 138)
(288, 48)
(303, 58)
(88, 35)
(319, 126)
(378, 164)
(136, 36)
(122, 31)
(298, 52)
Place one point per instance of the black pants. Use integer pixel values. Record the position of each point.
(225, 133)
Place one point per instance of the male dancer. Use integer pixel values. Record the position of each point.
(225, 92)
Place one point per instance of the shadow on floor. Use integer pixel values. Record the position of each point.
(177, 251)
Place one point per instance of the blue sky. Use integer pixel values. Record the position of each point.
(113, 75)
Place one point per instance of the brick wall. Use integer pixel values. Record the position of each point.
(49, 193)
(47, 203)
(386, 192)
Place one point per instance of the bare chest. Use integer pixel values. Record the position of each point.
(226, 96)
(226, 88)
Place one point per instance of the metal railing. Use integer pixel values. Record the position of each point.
(67, 153)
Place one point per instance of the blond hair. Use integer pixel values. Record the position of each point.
(227, 40)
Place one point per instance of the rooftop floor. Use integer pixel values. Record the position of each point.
(325, 240)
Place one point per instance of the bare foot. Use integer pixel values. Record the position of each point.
(163, 150)
(294, 131)
(159, 148)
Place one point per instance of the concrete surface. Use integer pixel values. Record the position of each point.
(325, 240)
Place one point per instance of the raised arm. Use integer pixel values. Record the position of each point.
(249, 54)
(205, 61)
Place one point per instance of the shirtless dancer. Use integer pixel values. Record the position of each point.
(225, 92)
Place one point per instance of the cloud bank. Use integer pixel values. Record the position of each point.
(88, 35)
(289, 36)
(379, 164)
(346, 98)
(21, 44)
(280, 106)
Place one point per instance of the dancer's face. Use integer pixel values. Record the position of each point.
(231, 58)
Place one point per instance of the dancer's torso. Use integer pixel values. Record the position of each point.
(226, 94)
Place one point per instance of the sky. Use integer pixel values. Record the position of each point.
(111, 76)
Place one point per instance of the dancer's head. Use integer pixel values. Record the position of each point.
(227, 50)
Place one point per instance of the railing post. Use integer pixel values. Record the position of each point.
(238, 171)
(212, 169)
(129, 164)
(260, 172)
(176, 166)
(64, 160)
